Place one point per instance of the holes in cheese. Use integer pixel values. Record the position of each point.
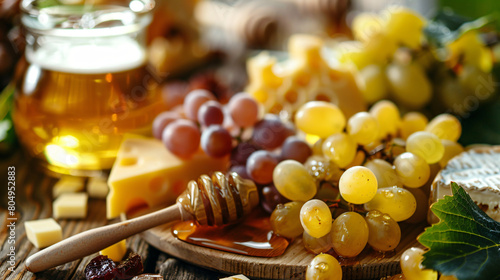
(155, 185)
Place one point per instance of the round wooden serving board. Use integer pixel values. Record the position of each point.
(291, 265)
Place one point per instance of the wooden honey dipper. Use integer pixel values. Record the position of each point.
(215, 200)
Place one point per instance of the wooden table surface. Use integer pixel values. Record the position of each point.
(33, 201)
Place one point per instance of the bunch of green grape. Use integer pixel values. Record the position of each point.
(392, 59)
(366, 174)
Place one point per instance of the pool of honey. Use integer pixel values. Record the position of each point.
(253, 236)
(77, 121)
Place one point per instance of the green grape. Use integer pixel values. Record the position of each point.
(384, 232)
(340, 148)
(451, 149)
(372, 83)
(316, 218)
(380, 48)
(445, 126)
(422, 206)
(358, 185)
(327, 191)
(412, 170)
(469, 49)
(385, 173)
(359, 158)
(409, 85)
(285, 219)
(396, 146)
(320, 118)
(412, 122)
(387, 115)
(324, 267)
(426, 57)
(322, 169)
(398, 203)
(363, 128)
(353, 54)
(410, 262)
(477, 83)
(404, 26)
(365, 25)
(452, 95)
(426, 145)
(316, 245)
(349, 234)
(317, 147)
(293, 181)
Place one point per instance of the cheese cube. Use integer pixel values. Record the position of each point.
(97, 187)
(115, 251)
(146, 173)
(236, 277)
(43, 233)
(70, 205)
(68, 184)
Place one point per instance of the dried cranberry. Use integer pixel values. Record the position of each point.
(100, 268)
(130, 267)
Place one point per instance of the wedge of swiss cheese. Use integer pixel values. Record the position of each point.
(478, 172)
(146, 173)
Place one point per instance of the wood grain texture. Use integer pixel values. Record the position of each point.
(34, 201)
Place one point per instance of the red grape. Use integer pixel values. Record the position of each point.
(241, 152)
(194, 100)
(244, 110)
(296, 149)
(162, 120)
(271, 197)
(270, 132)
(182, 138)
(260, 166)
(216, 141)
(210, 113)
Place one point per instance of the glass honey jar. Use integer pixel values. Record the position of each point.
(84, 82)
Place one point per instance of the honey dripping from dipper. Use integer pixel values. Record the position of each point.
(220, 201)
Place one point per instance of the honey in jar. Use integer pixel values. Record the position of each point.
(84, 83)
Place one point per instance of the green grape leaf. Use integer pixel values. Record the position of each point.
(447, 26)
(466, 242)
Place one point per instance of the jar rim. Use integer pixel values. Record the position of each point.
(86, 20)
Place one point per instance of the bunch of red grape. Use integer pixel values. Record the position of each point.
(204, 121)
